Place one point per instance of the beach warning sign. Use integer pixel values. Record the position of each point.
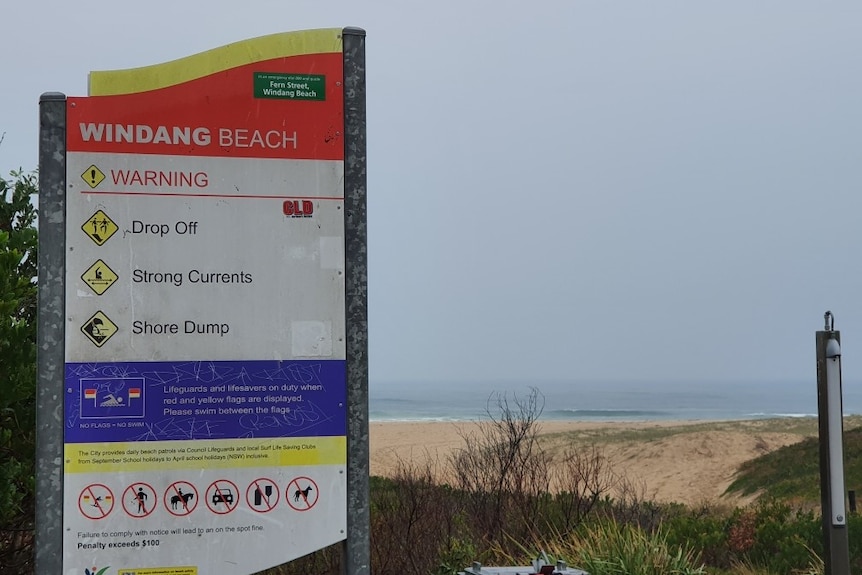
(205, 321)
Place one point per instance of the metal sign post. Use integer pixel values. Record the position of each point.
(203, 381)
(831, 431)
(49, 397)
(357, 544)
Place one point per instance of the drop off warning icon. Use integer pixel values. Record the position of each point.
(99, 227)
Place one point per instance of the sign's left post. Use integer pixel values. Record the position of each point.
(51, 333)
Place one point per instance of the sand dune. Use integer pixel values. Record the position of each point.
(685, 462)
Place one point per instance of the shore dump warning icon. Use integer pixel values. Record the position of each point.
(99, 227)
(99, 328)
(99, 277)
(93, 176)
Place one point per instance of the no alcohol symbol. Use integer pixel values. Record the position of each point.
(262, 495)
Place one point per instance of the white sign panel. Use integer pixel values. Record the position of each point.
(205, 393)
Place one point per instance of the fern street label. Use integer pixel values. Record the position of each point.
(289, 86)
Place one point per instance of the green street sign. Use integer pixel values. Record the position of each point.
(289, 86)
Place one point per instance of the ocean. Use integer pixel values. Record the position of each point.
(605, 401)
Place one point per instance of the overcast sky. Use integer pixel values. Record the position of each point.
(564, 190)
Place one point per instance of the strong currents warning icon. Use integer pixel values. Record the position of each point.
(99, 277)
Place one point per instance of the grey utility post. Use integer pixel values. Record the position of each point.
(831, 431)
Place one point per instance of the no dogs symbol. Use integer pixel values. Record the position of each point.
(302, 493)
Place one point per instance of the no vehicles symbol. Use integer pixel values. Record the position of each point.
(262, 495)
(181, 498)
(302, 493)
(96, 501)
(139, 500)
(222, 496)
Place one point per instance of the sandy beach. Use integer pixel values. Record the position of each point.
(686, 462)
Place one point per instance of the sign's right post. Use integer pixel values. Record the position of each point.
(357, 543)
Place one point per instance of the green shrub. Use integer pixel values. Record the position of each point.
(17, 370)
(784, 537)
(612, 549)
(703, 528)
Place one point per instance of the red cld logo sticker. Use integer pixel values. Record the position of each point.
(298, 208)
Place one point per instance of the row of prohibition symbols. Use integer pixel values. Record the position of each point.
(139, 500)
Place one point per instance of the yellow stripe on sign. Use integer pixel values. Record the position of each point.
(161, 570)
(214, 454)
(283, 45)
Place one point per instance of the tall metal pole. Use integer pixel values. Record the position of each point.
(51, 326)
(357, 547)
(831, 432)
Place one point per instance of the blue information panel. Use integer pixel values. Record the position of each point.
(160, 401)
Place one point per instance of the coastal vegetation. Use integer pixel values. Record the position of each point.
(506, 499)
(17, 370)
(792, 473)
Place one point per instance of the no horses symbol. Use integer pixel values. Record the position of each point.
(181, 498)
